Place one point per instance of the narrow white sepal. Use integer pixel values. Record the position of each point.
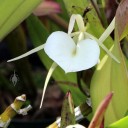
(71, 23)
(108, 31)
(109, 53)
(28, 53)
(79, 20)
(53, 67)
(61, 48)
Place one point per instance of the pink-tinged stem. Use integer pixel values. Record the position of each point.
(99, 114)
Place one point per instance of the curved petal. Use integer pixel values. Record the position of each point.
(79, 20)
(71, 23)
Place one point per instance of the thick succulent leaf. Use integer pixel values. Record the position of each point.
(38, 34)
(122, 123)
(122, 19)
(13, 13)
(111, 76)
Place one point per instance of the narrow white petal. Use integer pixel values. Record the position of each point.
(109, 53)
(27, 53)
(108, 31)
(71, 23)
(80, 22)
(53, 67)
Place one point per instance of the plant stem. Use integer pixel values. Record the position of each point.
(97, 10)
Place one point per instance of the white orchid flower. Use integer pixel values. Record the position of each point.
(75, 126)
(72, 51)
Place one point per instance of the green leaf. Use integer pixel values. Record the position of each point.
(13, 13)
(122, 123)
(122, 19)
(67, 113)
(111, 76)
(38, 34)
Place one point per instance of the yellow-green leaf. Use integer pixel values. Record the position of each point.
(122, 123)
(13, 13)
(111, 76)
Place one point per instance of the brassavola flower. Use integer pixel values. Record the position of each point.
(72, 51)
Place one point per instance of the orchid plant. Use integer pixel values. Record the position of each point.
(73, 51)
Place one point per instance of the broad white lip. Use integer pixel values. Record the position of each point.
(61, 48)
